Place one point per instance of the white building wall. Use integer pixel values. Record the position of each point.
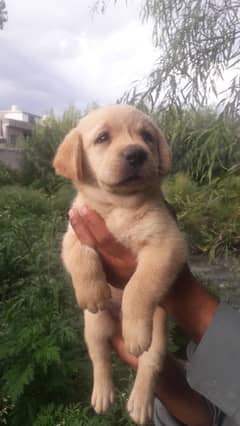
(17, 115)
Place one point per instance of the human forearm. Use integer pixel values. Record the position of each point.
(191, 305)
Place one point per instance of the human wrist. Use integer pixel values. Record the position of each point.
(191, 305)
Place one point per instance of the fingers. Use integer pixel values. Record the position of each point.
(91, 230)
(106, 244)
(81, 229)
(96, 225)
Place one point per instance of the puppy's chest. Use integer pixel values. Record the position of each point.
(134, 229)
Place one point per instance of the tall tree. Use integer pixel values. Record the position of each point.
(199, 45)
(3, 13)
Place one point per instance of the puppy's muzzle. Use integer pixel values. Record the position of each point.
(135, 157)
(132, 170)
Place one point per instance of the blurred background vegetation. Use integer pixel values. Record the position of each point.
(45, 374)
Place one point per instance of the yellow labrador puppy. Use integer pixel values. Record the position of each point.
(117, 157)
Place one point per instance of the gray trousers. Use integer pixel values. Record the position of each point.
(214, 370)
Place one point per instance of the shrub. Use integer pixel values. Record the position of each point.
(41, 354)
(8, 176)
(40, 148)
(62, 198)
(76, 415)
(45, 373)
(208, 214)
(71, 415)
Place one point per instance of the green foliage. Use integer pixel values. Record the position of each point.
(75, 415)
(72, 415)
(40, 355)
(40, 148)
(45, 372)
(6, 408)
(208, 214)
(61, 199)
(7, 175)
(204, 145)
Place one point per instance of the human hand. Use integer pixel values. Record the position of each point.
(118, 262)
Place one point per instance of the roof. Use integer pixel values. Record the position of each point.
(13, 110)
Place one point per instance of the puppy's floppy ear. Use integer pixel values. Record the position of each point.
(68, 161)
(164, 154)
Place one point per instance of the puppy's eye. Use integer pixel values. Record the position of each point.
(147, 136)
(103, 137)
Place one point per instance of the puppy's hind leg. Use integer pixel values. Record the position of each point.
(150, 363)
(99, 328)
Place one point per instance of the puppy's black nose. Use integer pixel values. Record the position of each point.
(135, 156)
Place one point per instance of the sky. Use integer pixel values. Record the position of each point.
(54, 53)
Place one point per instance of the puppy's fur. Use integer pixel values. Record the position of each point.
(117, 157)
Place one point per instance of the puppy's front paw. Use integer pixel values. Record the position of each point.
(94, 297)
(137, 335)
(102, 396)
(140, 406)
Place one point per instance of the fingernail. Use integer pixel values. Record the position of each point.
(83, 211)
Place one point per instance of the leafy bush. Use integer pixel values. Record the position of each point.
(75, 415)
(62, 198)
(8, 176)
(72, 415)
(45, 373)
(40, 148)
(40, 356)
(208, 214)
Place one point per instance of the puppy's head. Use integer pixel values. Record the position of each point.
(117, 148)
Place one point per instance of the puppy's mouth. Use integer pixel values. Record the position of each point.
(130, 179)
